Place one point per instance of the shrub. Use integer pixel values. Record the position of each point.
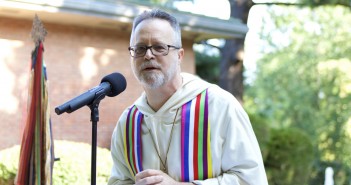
(74, 166)
(290, 157)
(9, 164)
(262, 132)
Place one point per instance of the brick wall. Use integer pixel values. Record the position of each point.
(76, 59)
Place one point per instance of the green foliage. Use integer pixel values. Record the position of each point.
(75, 163)
(207, 66)
(8, 165)
(314, 3)
(290, 157)
(73, 167)
(341, 173)
(262, 131)
(305, 82)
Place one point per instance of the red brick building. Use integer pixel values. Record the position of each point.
(86, 40)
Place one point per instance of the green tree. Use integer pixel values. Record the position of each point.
(231, 63)
(305, 83)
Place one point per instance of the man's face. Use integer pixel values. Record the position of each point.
(155, 71)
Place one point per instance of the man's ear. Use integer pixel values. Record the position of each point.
(180, 54)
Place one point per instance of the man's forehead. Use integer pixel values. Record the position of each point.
(154, 25)
(154, 30)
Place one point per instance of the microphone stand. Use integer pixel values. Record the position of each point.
(94, 118)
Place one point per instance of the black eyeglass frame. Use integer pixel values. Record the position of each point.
(132, 50)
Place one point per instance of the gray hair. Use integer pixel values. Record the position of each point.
(159, 14)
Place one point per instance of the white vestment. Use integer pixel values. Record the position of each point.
(236, 156)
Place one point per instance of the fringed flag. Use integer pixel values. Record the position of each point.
(37, 155)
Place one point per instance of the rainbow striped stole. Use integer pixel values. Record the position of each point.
(132, 141)
(196, 159)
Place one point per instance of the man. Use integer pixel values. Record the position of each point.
(182, 130)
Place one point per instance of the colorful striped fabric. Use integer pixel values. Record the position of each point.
(196, 162)
(37, 155)
(132, 141)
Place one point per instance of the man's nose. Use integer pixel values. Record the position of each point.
(148, 54)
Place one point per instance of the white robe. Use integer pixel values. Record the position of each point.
(236, 157)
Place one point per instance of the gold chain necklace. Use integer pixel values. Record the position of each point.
(164, 168)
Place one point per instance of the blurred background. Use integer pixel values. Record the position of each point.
(286, 61)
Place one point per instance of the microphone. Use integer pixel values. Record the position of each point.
(111, 85)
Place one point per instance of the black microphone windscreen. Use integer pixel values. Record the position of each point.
(118, 83)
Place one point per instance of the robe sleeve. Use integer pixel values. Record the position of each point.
(119, 173)
(241, 159)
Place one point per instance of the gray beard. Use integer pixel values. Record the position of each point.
(153, 80)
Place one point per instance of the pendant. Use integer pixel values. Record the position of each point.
(164, 170)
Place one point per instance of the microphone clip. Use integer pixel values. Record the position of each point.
(94, 106)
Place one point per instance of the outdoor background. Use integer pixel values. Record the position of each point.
(290, 71)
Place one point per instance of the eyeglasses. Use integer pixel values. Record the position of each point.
(157, 50)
